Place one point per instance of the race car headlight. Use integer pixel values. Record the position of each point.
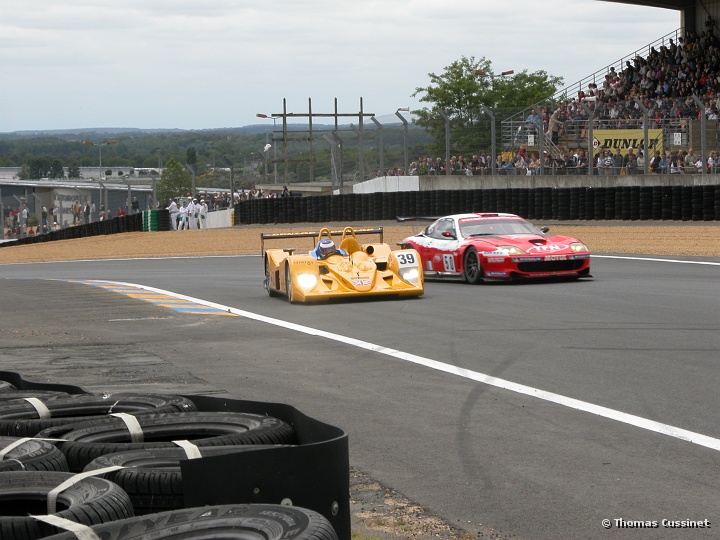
(512, 250)
(307, 282)
(411, 275)
(577, 247)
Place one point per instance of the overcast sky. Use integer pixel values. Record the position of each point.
(199, 64)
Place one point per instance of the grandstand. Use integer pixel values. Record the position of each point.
(663, 97)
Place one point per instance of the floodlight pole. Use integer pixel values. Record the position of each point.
(493, 144)
(646, 144)
(192, 173)
(591, 122)
(232, 182)
(381, 130)
(405, 135)
(99, 145)
(703, 133)
(447, 139)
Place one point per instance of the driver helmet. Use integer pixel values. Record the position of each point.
(326, 247)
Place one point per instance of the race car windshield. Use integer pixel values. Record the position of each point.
(495, 227)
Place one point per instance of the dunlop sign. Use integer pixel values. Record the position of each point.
(624, 139)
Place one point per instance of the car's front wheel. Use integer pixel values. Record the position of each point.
(289, 285)
(472, 267)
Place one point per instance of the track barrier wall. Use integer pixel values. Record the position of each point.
(620, 203)
(624, 203)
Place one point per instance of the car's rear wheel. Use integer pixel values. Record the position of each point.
(472, 267)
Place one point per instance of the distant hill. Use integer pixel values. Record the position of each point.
(106, 132)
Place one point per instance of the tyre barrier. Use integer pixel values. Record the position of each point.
(27, 417)
(89, 440)
(91, 501)
(308, 469)
(628, 203)
(111, 226)
(266, 521)
(153, 478)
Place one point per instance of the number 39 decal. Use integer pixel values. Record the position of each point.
(406, 259)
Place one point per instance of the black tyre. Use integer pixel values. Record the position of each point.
(288, 284)
(32, 455)
(40, 394)
(472, 267)
(152, 478)
(89, 440)
(19, 418)
(241, 522)
(91, 501)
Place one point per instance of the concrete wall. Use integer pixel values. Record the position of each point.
(443, 182)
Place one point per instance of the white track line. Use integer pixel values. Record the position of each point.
(637, 421)
(629, 258)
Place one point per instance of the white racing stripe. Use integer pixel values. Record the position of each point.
(605, 412)
(630, 258)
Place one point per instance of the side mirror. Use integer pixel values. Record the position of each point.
(544, 229)
(448, 234)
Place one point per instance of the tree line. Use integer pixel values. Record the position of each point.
(462, 93)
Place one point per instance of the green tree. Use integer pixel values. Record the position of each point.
(464, 89)
(41, 167)
(191, 156)
(174, 182)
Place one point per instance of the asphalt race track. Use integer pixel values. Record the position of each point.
(525, 410)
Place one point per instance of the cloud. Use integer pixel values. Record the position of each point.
(176, 63)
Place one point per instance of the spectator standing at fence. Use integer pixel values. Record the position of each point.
(689, 161)
(135, 205)
(630, 162)
(102, 213)
(86, 212)
(93, 209)
(605, 163)
(664, 164)
(183, 216)
(675, 163)
(191, 214)
(203, 214)
(640, 164)
(712, 162)
(618, 160)
(655, 163)
(173, 210)
(24, 218)
(582, 162)
(555, 126)
(121, 212)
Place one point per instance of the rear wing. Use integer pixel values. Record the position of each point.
(316, 234)
(400, 219)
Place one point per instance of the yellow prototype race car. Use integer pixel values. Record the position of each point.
(350, 269)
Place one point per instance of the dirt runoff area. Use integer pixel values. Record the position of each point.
(656, 238)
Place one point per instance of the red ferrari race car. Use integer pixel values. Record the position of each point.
(493, 246)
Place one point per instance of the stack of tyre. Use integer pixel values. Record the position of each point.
(77, 466)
